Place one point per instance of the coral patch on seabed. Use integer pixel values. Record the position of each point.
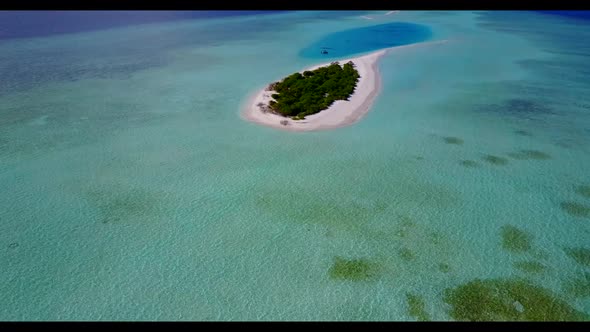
(530, 267)
(416, 307)
(469, 163)
(515, 239)
(407, 254)
(495, 160)
(453, 140)
(580, 255)
(529, 154)
(576, 209)
(444, 267)
(522, 133)
(508, 300)
(578, 287)
(583, 190)
(352, 269)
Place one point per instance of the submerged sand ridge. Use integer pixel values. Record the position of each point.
(342, 112)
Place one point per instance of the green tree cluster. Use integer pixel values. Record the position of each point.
(299, 95)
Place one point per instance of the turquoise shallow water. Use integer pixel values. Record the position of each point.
(133, 190)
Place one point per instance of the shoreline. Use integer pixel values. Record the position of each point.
(341, 113)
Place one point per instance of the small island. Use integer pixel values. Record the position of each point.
(299, 95)
(326, 96)
(322, 97)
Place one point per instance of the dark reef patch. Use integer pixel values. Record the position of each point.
(580, 255)
(523, 133)
(508, 300)
(416, 307)
(578, 287)
(530, 267)
(495, 160)
(515, 239)
(576, 209)
(407, 254)
(529, 154)
(453, 140)
(469, 163)
(405, 225)
(122, 204)
(354, 211)
(352, 269)
(583, 190)
(444, 267)
(407, 222)
(436, 238)
(402, 233)
(344, 215)
(518, 107)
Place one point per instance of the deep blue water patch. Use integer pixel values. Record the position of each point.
(366, 39)
(578, 14)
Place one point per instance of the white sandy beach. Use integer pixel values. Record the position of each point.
(342, 112)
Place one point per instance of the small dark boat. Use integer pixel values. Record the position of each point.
(324, 52)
